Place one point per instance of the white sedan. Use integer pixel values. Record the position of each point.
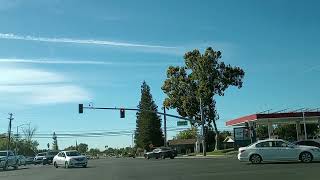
(69, 159)
(277, 150)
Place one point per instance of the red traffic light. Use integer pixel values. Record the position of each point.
(122, 113)
(80, 108)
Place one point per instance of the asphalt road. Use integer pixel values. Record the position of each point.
(184, 169)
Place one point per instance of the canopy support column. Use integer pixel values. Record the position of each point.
(298, 129)
(270, 129)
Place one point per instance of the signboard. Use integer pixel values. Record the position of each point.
(182, 123)
(241, 134)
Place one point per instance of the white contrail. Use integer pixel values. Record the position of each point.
(79, 41)
(53, 61)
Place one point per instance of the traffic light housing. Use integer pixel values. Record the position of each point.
(80, 108)
(122, 113)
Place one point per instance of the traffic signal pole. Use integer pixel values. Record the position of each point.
(165, 126)
(81, 108)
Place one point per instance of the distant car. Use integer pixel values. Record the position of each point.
(131, 155)
(7, 158)
(29, 160)
(48, 158)
(22, 160)
(277, 150)
(162, 153)
(39, 158)
(308, 143)
(70, 159)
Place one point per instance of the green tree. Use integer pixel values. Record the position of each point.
(70, 148)
(187, 134)
(148, 124)
(262, 132)
(286, 131)
(94, 151)
(202, 77)
(55, 142)
(82, 147)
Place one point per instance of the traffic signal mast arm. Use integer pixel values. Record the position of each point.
(134, 109)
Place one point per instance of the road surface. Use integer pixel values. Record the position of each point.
(184, 169)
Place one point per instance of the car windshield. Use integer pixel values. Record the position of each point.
(3, 153)
(41, 154)
(73, 153)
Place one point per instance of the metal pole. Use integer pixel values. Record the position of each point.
(203, 133)
(132, 143)
(165, 126)
(17, 139)
(304, 126)
(9, 134)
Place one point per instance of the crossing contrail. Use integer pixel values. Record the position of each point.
(80, 41)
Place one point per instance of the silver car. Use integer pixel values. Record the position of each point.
(70, 159)
(39, 158)
(7, 158)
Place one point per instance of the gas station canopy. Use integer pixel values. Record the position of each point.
(270, 119)
(276, 118)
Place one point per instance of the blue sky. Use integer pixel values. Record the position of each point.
(55, 54)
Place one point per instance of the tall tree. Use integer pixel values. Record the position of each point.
(187, 134)
(202, 77)
(148, 124)
(83, 148)
(55, 142)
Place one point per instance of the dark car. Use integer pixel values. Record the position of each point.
(163, 152)
(308, 143)
(49, 157)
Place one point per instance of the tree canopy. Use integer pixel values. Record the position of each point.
(202, 77)
(148, 124)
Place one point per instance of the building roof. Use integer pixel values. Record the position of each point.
(287, 117)
(182, 141)
(229, 139)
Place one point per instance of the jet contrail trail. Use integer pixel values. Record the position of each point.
(80, 41)
(53, 61)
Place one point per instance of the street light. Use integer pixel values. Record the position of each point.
(17, 135)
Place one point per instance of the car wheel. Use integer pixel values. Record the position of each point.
(66, 165)
(306, 157)
(255, 159)
(148, 157)
(84, 166)
(16, 165)
(5, 167)
(55, 165)
(163, 156)
(171, 157)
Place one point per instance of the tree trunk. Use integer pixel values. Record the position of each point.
(216, 147)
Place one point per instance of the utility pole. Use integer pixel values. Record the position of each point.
(203, 131)
(165, 126)
(132, 143)
(9, 131)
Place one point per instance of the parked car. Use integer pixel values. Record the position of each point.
(22, 160)
(39, 158)
(29, 160)
(48, 158)
(70, 159)
(278, 150)
(7, 159)
(308, 143)
(163, 152)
